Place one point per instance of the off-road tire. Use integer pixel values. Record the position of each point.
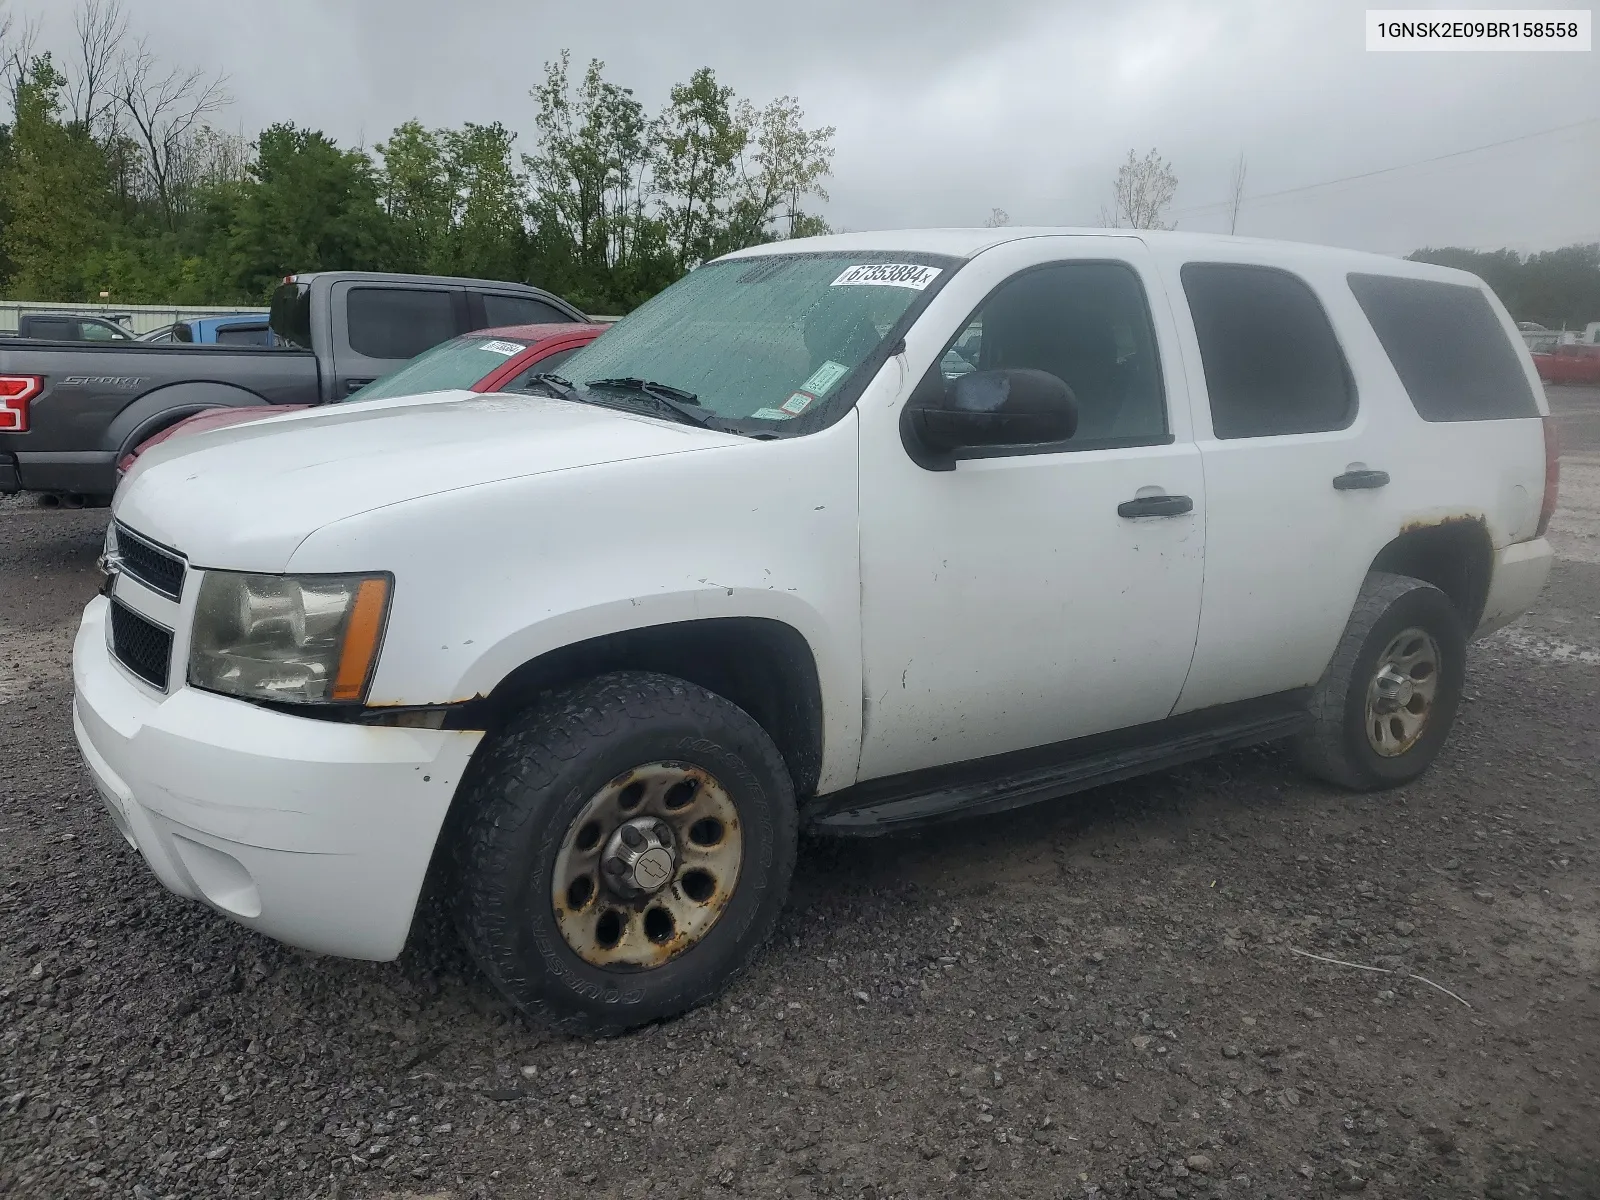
(526, 788)
(1335, 748)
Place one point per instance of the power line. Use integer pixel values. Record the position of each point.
(1199, 208)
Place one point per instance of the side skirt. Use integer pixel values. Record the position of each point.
(1006, 781)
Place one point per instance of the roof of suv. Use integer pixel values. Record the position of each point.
(966, 243)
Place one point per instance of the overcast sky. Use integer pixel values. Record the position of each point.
(947, 109)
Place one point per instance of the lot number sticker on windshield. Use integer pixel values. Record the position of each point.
(506, 348)
(798, 403)
(906, 275)
(824, 377)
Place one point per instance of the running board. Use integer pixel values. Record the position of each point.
(995, 785)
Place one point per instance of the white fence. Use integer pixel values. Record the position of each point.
(139, 318)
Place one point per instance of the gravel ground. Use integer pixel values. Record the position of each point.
(1097, 998)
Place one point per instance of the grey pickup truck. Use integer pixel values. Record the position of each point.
(70, 410)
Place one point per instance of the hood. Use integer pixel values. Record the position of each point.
(244, 497)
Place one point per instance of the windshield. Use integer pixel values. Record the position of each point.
(764, 338)
(448, 366)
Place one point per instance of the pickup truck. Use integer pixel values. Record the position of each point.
(767, 556)
(71, 327)
(69, 412)
(232, 329)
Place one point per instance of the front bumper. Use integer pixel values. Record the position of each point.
(316, 833)
(1520, 571)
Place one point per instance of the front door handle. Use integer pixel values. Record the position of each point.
(355, 385)
(1354, 481)
(1156, 506)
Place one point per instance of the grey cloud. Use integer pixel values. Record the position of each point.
(946, 109)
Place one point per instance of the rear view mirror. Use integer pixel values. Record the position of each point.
(943, 419)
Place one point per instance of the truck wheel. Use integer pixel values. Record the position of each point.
(624, 851)
(1387, 701)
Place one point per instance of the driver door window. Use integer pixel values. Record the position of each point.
(1087, 323)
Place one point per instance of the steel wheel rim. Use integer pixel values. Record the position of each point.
(675, 877)
(1401, 692)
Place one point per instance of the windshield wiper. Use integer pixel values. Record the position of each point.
(683, 406)
(555, 385)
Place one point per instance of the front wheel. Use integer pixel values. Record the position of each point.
(625, 850)
(1387, 701)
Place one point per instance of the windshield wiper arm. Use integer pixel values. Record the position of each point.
(555, 385)
(684, 406)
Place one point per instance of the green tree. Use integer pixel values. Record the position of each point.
(783, 163)
(308, 206)
(416, 189)
(56, 193)
(699, 139)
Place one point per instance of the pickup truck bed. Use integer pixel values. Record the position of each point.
(99, 401)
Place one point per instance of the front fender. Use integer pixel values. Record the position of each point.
(493, 576)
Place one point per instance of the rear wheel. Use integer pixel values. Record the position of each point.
(1387, 701)
(626, 850)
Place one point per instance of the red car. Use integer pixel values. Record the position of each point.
(486, 360)
(1570, 364)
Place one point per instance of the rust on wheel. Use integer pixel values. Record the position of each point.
(1400, 695)
(647, 866)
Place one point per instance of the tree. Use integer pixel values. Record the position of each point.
(55, 191)
(487, 196)
(785, 163)
(165, 107)
(1143, 191)
(1559, 288)
(1236, 192)
(698, 143)
(998, 218)
(307, 206)
(415, 186)
(100, 27)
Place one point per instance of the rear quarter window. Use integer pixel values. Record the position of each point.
(1448, 347)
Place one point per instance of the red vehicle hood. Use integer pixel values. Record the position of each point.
(211, 418)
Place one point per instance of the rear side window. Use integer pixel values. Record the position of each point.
(1272, 363)
(244, 335)
(399, 322)
(291, 314)
(500, 309)
(1448, 347)
(61, 331)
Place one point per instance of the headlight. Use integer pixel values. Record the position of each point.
(309, 639)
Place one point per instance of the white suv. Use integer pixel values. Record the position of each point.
(849, 533)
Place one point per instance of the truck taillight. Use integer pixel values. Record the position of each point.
(1552, 475)
(15, 393)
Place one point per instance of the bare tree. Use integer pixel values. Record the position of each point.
(18, 46)
(166, 106)
(100, 26)
(1236, 192)
(1142, 193)
(998, 218)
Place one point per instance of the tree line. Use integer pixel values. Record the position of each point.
(116, 177)
(1559, 289)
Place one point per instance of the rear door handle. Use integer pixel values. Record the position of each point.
(1156, 506)
(1354, 481)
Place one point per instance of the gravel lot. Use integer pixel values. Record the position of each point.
(1096, 998)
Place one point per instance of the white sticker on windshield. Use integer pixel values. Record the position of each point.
(824, 377)
(798, 403)
(506, 348)
(906, 275)
(770, 414)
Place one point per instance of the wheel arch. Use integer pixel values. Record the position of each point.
(155, 410)
(763, 665)
(1455, 554)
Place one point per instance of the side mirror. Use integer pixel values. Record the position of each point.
(946, 420)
